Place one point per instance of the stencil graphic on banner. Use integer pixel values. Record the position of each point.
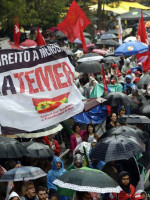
(37, 88)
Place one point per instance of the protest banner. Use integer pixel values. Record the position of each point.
(36, 88)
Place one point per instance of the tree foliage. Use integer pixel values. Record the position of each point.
(44, 13)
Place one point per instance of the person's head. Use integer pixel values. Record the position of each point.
(78, 161)
(84, 196)
(144, 196)
(129, 72)
(90, 128)
(76, 128)
(50, 137)
(53, 196)
(41, 193)
(124, 179)
(138, 73)
(122, 111)
(134, 92)
(14, 196)
(30, 189)
(57, 163)
(113, 82)
(113, 117)
(128, 79)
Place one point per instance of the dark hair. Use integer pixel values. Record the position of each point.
(41, 188)
(74, 126)
(80, 195)
(112, 114)
(52, 193)
(122, 109)
(28, 183)
(91, 126)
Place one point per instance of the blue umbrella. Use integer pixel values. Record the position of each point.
(131, 48)
(23, 174)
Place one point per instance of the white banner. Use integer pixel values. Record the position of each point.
(36, 88)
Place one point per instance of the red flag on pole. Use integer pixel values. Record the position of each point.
(40, 40)
(70, 26)
(142, 36)
(17, 32)
(82, 38)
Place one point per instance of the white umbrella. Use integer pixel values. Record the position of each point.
(130, 39)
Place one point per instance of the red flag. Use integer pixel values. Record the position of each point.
(40, 40)
(17, 32)
(104, 81)
(70, 26)
(142, 35)
(82, 38)
(146, 64)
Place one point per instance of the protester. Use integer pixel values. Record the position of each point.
(77, 137)
(127, 89)
(77, 162)
(14, 196)
(30, 193)
(52, 144)
(90, 134)
(127, 191)
(112, 123)
(41, 193)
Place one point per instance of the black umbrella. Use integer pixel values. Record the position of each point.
(86, 179)
(92, 102)
(113, 31)
(90, 57)
(127, 131)
(111, 59)
(145, 80)
(146, 108)
(11, 148)
(89, 67)
(111, 54)
(116, 148)
(118, 99)
(111, 43)
(60, 34)
(38, 150)
(108, 36)
(135, 119)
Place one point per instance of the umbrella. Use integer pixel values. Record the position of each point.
(87, 40)
(89, 67)
(127, 131)
(113, 31)
(53, 29)
(80, 147)
(116, 148)
(9, 131)
(86, 34)
(88, 180)
(146, 108)
(118, 99)
(135, 119)
(145, 80)
(68, 51)
(28, 44)
(131, 48)
(23, 174)
(135, 14)
(130, 39)
(92, 102)
(11, 148)
(38, 150)
(111, 59)
(90, 57)
(90, 45)
(60, 34)
(108, 36)
(100, 51)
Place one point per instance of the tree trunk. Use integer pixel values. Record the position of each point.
(99, 12)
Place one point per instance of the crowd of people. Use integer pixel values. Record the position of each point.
(126, 73)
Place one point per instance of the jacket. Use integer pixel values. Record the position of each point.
(73, 140)
(54, 173)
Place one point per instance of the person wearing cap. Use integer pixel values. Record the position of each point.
(127, 89)
(129, 72)
(120, 78)
(127, 190)
(126, 66)
(77, 162)
(137, 197)
(114, 70)
(112, 82)
(14, 196)
(136, 80)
